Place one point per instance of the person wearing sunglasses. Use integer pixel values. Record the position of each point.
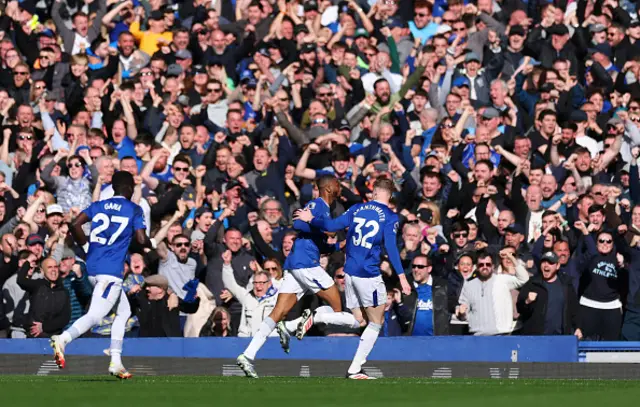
(547, 303)
(426, 306)
(73, 190)
(600, 302)
(486, 301)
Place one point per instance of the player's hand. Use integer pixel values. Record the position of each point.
(404, 284)
(226, 257)
(303, 215)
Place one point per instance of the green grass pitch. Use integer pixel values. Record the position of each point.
(186, 391)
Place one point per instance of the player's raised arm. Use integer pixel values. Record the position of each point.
(391, 246)
(76, 229)
(325, 223)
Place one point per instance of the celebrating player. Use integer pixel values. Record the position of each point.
(371, 226)
(114, 222)
(304, 275)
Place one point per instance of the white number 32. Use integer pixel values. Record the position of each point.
(102, 223)
(364, 240)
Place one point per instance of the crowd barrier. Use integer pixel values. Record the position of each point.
(409, 349)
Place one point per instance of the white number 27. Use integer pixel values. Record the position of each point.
(102, 223)
(364, 240)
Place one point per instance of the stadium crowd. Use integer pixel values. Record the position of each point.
(510, 129)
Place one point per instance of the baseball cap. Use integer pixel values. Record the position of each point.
(264, 51)
(344, 125)
(558, 29)
(232, 184)
(54, 208)
(156, 15)
(307, 48)
(34, 239)
(471, 56)
(550, 257)
(361, 32)
(578, 116)
(596, 28)
(157, 281)
(614, 121)
(310, 5)
(246, 75)
(443, 29)
(546, 87)
(183, 54)
(634, 23)
(215, 60)
(300, 28)
(517, 30)
(395, 22)
(461, 81)
(199, 69)
(515, 228)
(603, 48)
(490, 113)
(174, 70)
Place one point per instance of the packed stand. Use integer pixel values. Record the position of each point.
(510, 130)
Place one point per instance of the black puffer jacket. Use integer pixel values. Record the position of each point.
(49, 303)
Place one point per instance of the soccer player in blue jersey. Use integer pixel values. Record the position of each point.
(304, 275)
(114, 223)
(372, 226)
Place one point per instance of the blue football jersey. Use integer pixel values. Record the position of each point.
(113, 224)
(371, 226)
(311, 241)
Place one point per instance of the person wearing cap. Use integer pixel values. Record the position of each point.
(155, 37)
(513, 52)
(479, 81)
(79, 38)
(158, 309)
(35, 244)
(547, 303)
(184, 59)
(560, 46)
(73, 276)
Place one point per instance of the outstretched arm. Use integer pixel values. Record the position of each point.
(76, 230)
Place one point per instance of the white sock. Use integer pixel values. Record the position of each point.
(337, 318)
(292, 325)
(66, 337)
(367, 340)
(115, 357)
(266, 327)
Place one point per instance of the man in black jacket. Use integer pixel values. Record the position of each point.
(158, 311)
(547, 303)
(50, 309)
(427, 303)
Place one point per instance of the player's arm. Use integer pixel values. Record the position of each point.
(140, 228)
(333, 225)
(391, 246)
(76, 229)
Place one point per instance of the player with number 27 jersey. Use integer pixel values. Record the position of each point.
(371, 226)
(113, 225)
